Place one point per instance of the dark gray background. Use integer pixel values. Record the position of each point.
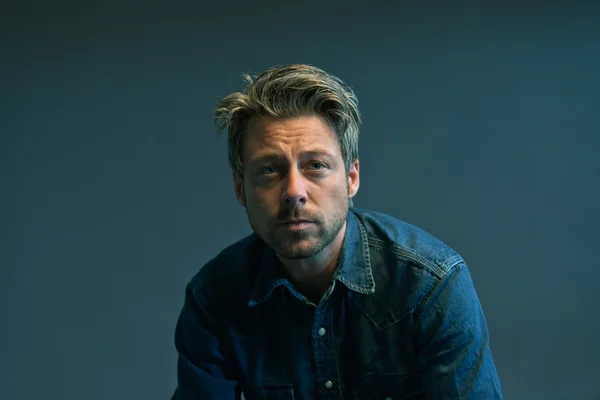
(481, 125)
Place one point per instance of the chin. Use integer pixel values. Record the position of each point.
(298, 250)
(296, 255)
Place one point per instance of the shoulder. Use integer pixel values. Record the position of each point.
(230, 274)
(406, 242)
(408, 265)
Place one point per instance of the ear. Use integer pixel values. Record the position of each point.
(238, 185)
(353, 179)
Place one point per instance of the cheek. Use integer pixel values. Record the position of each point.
(260, 201)
(338, 189)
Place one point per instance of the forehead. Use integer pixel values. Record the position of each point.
(307, 133)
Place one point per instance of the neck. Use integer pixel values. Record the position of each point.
(312, 276)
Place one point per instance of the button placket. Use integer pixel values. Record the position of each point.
(324, 347)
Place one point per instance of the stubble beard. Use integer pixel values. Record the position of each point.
(289, 246)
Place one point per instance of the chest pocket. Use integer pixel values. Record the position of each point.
(269, 392)
(384, 386)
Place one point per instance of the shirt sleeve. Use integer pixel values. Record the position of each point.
(204, 369)
(453, 343)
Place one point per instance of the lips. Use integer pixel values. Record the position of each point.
(294, 221)
(295, 225)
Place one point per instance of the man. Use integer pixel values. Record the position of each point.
(323, 300)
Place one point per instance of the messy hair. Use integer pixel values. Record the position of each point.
(290, 91)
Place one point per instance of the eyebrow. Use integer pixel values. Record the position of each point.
(265, 156)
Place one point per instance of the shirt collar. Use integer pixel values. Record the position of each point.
(354, 266)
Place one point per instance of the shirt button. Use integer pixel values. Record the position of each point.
(322, 332)
(328, 385)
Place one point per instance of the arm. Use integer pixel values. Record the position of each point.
(203, 369)
(454, 353)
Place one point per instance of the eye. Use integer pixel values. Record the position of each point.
(316, 165)
(267, 170)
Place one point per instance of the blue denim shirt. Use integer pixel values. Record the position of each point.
(401, 320)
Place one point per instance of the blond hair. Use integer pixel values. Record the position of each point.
(291, 91)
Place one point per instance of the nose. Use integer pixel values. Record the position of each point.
(294, 192)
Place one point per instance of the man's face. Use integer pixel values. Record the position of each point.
(294, 170)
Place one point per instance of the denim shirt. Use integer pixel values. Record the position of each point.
(401, 320)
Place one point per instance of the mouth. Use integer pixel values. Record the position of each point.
(295, 224)
(294, 221)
